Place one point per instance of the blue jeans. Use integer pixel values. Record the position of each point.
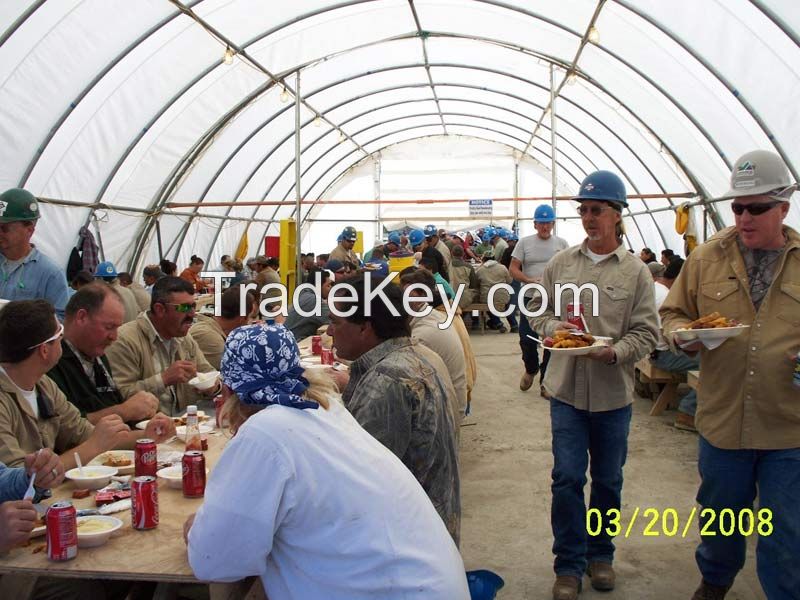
(731, 479)
(512, 318)
(680, 363)
(577, 435)
(530, 349)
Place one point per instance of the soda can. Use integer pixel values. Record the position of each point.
(145, 458)
(797, 371)
(316, 345)
(62, 531)
(574, 315)
(144, 502)
(327, 356)
(194, 474)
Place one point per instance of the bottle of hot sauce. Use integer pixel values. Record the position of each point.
(193, 439)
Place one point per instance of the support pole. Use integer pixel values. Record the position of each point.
(516, 193)
(553, 174)
(376, 181)
(298, 197)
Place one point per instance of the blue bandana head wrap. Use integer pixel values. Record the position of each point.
(262, 365)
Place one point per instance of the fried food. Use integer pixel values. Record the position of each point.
(565, 338)
(113, 460)
(712, 321)
(182, 420)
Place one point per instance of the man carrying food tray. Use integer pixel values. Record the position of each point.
(591, 394)
(748, 412)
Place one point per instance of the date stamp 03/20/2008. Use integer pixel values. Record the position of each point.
(654, 522)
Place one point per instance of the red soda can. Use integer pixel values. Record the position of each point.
(574, 315)
(316, 345)
(145, 458)
(194, 474)
(327, 356)
(62, 531)
(144, 502)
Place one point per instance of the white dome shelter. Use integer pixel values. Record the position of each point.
(170, 126)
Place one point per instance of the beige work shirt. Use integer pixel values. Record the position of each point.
(340, 253)
(142, 296)
(139, 356)
(745, 397)
(626, 313)
(59, 427)
(128, 301)
(209, 336)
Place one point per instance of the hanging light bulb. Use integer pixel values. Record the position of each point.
(342, 136)
(594, 35)
(228, 58)
(571, 79)
(317, 121)
(284, 95)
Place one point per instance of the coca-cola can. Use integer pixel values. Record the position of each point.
(316, 345)
(62, 531)
(574, 315)
(327, 356)
(144, 502)
(194, 474)
(145, 458)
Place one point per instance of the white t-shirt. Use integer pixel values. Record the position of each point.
(29, 395)
(534, 253)
(595, 257)
(319, 509)
(660, 291)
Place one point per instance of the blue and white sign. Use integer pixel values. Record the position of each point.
(480, 208)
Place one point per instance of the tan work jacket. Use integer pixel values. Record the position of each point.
(210, 338)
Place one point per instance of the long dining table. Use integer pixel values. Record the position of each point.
(157, 555)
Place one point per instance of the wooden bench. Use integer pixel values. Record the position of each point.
(668, 396)
(483, 313)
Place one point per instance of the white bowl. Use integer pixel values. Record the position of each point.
(95, 477)
(173, 476)
(90, 539)
(117, 454)
(204, 381)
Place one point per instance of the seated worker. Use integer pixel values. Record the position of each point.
(304, 326)
(34, 413)
(462, 272)
(154, 353)
(400, 392)
(429, 265)
(210, 331)
(92, 317)
(337, 525)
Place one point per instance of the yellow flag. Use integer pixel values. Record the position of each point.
(243, 247)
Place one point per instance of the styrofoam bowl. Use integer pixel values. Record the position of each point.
(97, 538)
(94, 477)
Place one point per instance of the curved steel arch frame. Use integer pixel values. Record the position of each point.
(529, 14)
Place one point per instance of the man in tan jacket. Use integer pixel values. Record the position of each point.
(591, 395)
(748, 411)
(34, 413)
(154, 354)
(210, 332)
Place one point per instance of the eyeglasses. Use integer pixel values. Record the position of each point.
(184, 307)
(754, 209)
(595, 210)
(53, 338)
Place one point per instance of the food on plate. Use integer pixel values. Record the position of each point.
(201, 418)
(711, 321)
(565, 338)
(80, 493)
(114, 460)
(38, 548)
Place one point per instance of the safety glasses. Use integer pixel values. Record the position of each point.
(184, 307)
(596, 211)
(754, 209)
(57, 336)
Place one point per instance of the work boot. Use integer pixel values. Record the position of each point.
(602, 574)
(502, 329)
(513, 329)
(566, 587)
(526, 382)
(706, 591)
(684, 422)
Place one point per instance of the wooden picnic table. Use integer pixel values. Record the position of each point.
(154, 555)
(693, 379)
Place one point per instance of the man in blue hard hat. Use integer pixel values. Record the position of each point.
(26, 273)
(434, 241)
(344, 249)
(591, 395)
(106, 271)
(419, 242)
(528, 260)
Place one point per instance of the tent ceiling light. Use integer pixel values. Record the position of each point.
(228, 57)
(317, 121)
(284, 95)
(594, 35)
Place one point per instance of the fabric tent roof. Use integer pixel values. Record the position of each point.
(130, 104)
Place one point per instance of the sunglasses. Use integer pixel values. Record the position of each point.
(754, 209)
(595, 210)
(184, 307)
(57, 336)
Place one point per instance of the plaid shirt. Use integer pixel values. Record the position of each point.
(88, 249)
(401, 393)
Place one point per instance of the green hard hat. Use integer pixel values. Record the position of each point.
(17, 204)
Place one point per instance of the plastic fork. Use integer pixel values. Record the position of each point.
(30, 492)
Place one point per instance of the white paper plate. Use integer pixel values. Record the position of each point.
(598, 345)
(180, 430)
(126, 454)
(710, 338)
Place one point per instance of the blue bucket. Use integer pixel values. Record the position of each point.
(483, 584)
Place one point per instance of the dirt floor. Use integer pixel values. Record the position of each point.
(505, 479)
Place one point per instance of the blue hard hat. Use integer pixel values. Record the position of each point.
(544, 213)
(349, 234)
(503, 233)
(483, 584)
(394, 238)
(488, 234)
(416, 237)
(105, 269)
(430, 230)
(604, 186)
(513, 237)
